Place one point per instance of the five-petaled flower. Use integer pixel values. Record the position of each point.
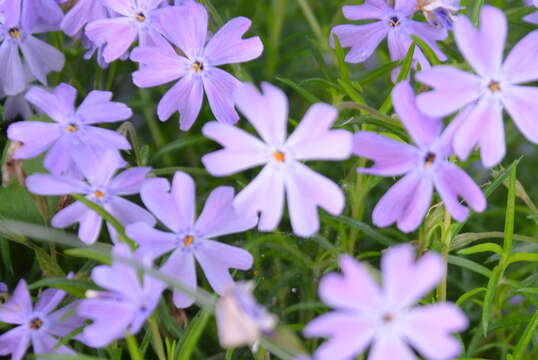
(198, 68)
(385, 315)
(426, 166)
(495, 86)
(189, 238)
(73, 131)
(40, 326)
(283, 173)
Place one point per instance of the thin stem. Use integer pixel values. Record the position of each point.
(156, 338)
(132, 346)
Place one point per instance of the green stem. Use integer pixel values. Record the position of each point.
(446, 240)
(153, 124)
(156, 338)
(313, 22)
(132, 346)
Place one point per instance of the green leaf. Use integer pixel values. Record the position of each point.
(192, 335)
(522, 257)
(300, 90)
(90, 253)
(178, 145)
(66, 357)
(340, 59)
(427, 50)
(470, 265)
(486, 247)
(366, 229)
(407, 63)
(526, 338)
(469, 294)
(489, 297)
(510, 212)
(74, 287)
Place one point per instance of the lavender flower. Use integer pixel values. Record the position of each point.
(40, 325)
(384, 315)
(17, 105)
(190, 239)
(44, 15)
(103, 188)
(16, 35)
(198, 69)
(136, 19)
(283, 171)
(440, 12)
(125, 304)
(82, 13)
(72, 131)
(426, 166)
(533, 17)
(240, 319)
(392, 22)
(496, 86)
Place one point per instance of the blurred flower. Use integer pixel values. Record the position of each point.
(124, 306)
(191, 239)
(426, 166)
(198, 69)
(392, 22)
(45, 15)
(283, 173)
(101, 187)
(533, 17)
(496, 86)
(384, 315)
(16, 32)
(41, 326)
(135, 19)
(240, 319)
(17, 105)
(72, 132)
(82, 13)
(440, 12)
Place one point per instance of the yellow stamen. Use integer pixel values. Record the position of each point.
(197, 67)
(71, 128)
(494, 86)
(140, 17)
(279, 156)
(188, 240)
(99, 194)
(15, 33)
(36, 324)
(388, 317)
(394, 21)
(429, 159)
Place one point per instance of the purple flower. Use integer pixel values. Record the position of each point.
(240, 319)
(440, 12)
(82, 13)
(384, 315)
(198, 69)
(72, 131)
(44, 15)
(136, 19)
(16, 35)
(495, 86)
(284, 172)
(125, 304)
(190, 239)
(426, 166)
(392, 22)
(533, 17)
(102, 187)
(17, 105)
(40, 325)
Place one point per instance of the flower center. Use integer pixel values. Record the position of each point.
(197, 67)
(494, 86)
(15, 33)
(188, 240)
(99, 194)
(71, 128)
(279, 156)
(140, 17)
(388, 318)
(429, 159)
(36, 324)
(394, 21)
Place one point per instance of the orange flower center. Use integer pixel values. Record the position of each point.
(197, 67)
(140, 17)
(279, 156)
(36, 324)
(71, 128)
(15, 33)
(188, 240)
(388, 317)
(494, 86)
(99, 194)
(429, 159)
(394, 21)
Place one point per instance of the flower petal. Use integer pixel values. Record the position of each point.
(521, 105)
(398, 265)
(452, 182)
(15, 342)
(129, 182)
(117, 34)
(220, 87)
(152, 242)
(241, 150)
(49, 300)
(519, 66)
(219, 217)
(157, 198)
(216, 259)
(363, 39)
(160, 67)
(44, 184)
(423, 129)
(353, 290)
(418, 206)
(90, 227)
(270, 124)
(370, 9)
(41, 58)
(120, 278)
(453, 89)
(127, 212)
(391, 157)
(71, 214)
(184, 194)
(97, 108)
(12, 72)
(313, 139)
(36, 137)
(228, 47)
(390, 346)
(186, 97)
(255, 198)
(181, 266)
(19, 306)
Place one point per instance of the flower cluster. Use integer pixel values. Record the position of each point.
(162, 233)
